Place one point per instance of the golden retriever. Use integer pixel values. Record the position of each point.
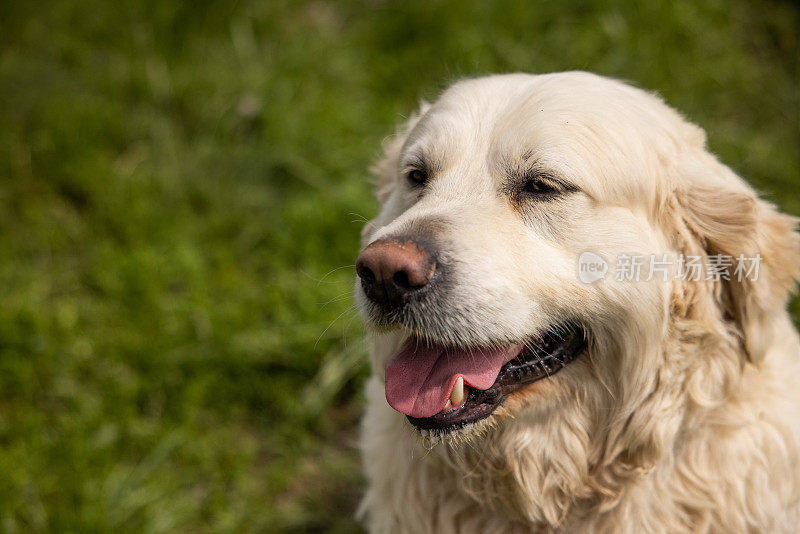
(566, 335)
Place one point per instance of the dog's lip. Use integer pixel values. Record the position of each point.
(555, 350)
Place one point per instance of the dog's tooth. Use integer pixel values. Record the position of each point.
(457, 395)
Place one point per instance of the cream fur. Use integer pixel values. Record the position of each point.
(684, 416)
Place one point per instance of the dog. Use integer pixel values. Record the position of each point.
(524, 376)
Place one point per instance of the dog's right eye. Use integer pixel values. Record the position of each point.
(541, 186)
(417, 177)
(535, 186)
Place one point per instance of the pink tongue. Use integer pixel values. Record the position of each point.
(420, 377)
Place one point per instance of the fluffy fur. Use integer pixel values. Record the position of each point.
(683, 416)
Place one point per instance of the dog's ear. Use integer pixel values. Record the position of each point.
(712, 212)
(384, 170)
(725, 220)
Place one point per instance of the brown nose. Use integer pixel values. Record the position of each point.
(391, 269)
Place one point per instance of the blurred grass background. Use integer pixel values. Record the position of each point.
(181, 185)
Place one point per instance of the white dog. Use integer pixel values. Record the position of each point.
(580, 322)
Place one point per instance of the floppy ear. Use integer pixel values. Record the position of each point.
(384, 170)
(710, 211)
(726, 218)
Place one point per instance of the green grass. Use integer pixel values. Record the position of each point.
(178, 190)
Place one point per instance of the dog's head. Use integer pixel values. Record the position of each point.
(530, 259)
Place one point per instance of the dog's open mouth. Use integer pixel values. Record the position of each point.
(440, 388)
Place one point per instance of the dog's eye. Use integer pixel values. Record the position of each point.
(537, 187)
(417, 177)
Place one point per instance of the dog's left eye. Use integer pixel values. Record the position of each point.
(537, 187)
(417, 177)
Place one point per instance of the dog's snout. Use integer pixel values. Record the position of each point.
(391, 269)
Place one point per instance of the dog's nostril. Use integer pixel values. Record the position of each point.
(400, 278)
(366, 274)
